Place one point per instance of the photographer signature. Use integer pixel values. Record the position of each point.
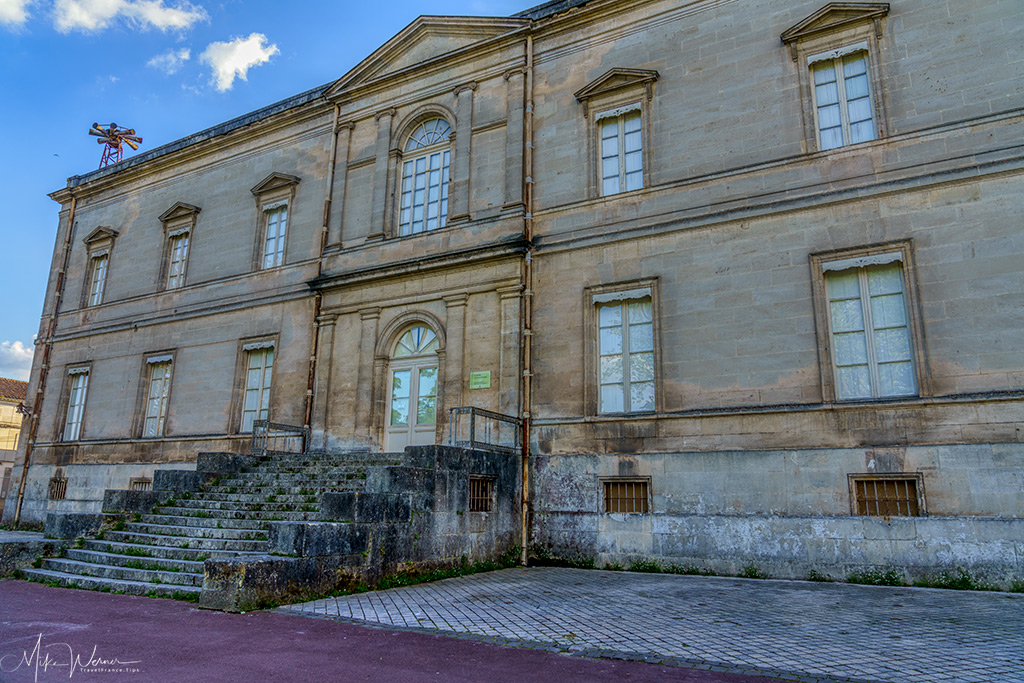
(63, 656)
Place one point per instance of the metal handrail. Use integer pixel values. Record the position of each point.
(266, 433)
(484, 430)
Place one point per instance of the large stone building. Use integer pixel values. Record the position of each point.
(12, 398)
(750, 271)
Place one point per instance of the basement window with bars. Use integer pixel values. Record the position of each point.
(58, 488)
(887, 496)
(627, 495)
(140, 484)
(481, 494)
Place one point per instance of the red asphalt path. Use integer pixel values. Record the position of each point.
(172, 641)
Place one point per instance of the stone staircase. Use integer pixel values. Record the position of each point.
(162, 553)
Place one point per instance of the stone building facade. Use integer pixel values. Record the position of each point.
(749, 270)
(12, 397)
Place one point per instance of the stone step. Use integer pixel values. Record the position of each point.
(306, 499)
(216, 519)
(191, 554)
(234, 506)
(196, 531)
(291, 479)
(186, 542)
(122, 573)
(263, 489)
(112, 585)
(154, 563)
(277, 513)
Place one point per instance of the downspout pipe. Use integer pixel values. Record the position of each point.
(44, 365)
(527, 308)
(318, 296)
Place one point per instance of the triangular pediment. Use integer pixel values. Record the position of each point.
(101, 233)
(835, 16)
(424, 39)
(275, 181)
(616, 79)
(179, 210)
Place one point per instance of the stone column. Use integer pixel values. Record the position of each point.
(514, 138)
(510, 357)
(455, 336)
(322, 383)
(370, 318)
(344, 133)
(460, 165)
(378, 228)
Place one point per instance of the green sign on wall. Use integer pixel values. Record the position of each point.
(480, 380)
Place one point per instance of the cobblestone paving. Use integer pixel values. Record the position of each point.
(788, 629)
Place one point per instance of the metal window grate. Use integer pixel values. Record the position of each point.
(481, 493)
(890, 497)
(627, 496)
(140, 484)
(58, 489)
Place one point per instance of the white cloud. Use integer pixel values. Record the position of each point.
(170, 61)
(235, 58)
(15, 360)
(14, 12)
(95, 15)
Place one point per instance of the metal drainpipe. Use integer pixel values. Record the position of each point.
(527, 295)
(44, 366)
(318, 297)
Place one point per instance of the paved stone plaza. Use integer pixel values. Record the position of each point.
(790, 629)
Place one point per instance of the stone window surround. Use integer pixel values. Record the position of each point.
(404, 130)
(241, 366)
(148, 360)
(603, 482)
(591, 343)
(71, 369)
(836, 26)
(98, 243)
(616, 89)
(854, 477)
(904, 250)
(180, 219)
(273, 192)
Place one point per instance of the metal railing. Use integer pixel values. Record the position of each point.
(481, 429)
(273, 437)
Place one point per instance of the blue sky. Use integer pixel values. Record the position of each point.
(166, 68)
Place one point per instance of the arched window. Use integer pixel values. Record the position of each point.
(425, 178)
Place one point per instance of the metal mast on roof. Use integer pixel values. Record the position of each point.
(114, 138)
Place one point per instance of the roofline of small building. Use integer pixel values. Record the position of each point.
(541, 11)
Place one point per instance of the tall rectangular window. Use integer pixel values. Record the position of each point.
(79, 379)
(156, 397)
(177, 258)
(871, 339)
(97, 278)
(275, 230)
(259, 367)
(621, 153)
(842, 99)
(626, 356)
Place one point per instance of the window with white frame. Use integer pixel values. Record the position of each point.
(869, 326)
(97, 277)
(78, 381)
(625, 353)
(157, 391)
(259, 370)
(177, 258)
(621, 150)
(274, 232)
(425, 171)
(842, 97)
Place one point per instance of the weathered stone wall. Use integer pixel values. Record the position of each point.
(789, 512)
